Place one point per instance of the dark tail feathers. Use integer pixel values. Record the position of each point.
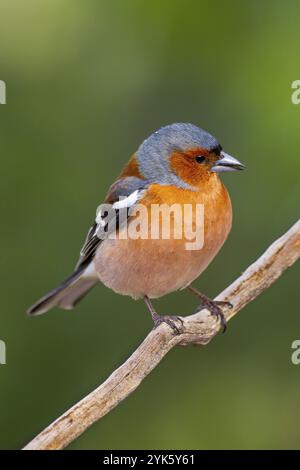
(66, 295)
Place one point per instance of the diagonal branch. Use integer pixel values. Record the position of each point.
(198, 328)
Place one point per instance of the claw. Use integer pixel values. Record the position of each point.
(223, 304)
(213, 306)
(158, 319)
(169, 320)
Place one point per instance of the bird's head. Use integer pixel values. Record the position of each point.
(183, 155)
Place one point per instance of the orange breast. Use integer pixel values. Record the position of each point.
(155, 267)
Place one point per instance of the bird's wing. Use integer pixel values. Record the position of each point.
(123, 194)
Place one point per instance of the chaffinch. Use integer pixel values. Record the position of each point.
(178, 164)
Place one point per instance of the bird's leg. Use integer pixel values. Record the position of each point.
(158, 319)
(212, 305)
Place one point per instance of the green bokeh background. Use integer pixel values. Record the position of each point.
(86, 83)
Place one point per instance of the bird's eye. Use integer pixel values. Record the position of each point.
(200, 159)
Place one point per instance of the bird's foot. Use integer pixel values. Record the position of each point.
(169, 320)
(214, 306)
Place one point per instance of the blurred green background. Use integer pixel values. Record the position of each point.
(86, 83)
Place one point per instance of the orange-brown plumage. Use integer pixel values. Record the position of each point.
(156, 267)
(186, 167)
(177, 165)
(131, 168)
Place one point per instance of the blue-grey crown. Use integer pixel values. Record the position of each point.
(153, 154)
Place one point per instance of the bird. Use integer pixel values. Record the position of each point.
(178, 164)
